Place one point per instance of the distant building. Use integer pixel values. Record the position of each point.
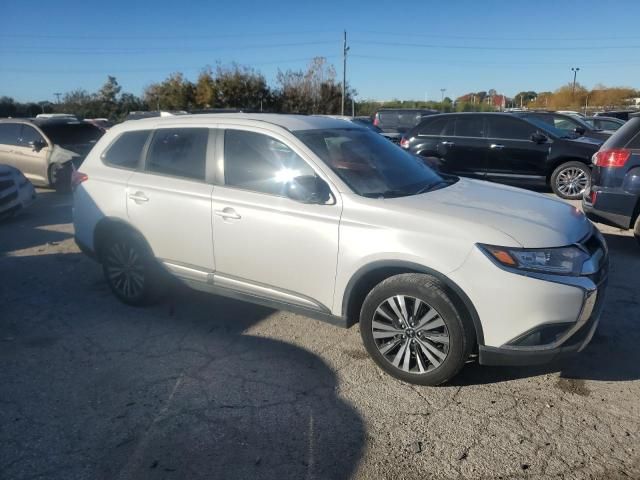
(497, 101)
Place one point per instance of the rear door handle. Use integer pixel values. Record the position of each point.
(496, 146)
(228, 213)
(448, 144)
(139, 197)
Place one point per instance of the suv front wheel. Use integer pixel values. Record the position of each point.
(570, 180)
(413, 331)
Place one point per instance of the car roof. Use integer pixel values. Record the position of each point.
(289, 121)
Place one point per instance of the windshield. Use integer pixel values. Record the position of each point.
(71, 133)
(369, 163)
(545, 127)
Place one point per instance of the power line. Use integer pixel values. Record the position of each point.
(507, 64)
(147, 50)
(496, 38)
(93, 36)
(467, 47)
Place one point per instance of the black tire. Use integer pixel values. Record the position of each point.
(434, 298)
(636, 229)
(60, 177)
(132, 273)
(570, 180)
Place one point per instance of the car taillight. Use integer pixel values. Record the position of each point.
(376, 121)
(614, 158)
(77, 178)
(404, 142)
(591, 197)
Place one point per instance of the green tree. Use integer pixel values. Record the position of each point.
(174, 93)
(206, 93)
(238, 86)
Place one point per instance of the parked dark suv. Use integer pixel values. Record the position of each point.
(568, 123)
(503, 147)
(614, 196)
(399, 120)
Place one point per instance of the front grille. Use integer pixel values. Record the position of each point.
(5, 184)
(9, 198)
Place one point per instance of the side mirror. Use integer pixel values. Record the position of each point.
(538, 137)
(38, 145)
(308, 189)
(579, 130)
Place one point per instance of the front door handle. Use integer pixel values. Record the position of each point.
(449, 144)
(496, 146)
(228, 213)
(139, 197)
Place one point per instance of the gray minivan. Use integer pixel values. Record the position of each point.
(400, 120)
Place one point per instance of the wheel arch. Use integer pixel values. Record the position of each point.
(108, 226)
(370, 275)
(559, 161)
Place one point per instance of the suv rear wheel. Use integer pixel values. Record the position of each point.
(130, 270)
(570, 180)
(413, 331)
(636, 229)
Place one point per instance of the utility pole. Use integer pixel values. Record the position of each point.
(442, 90)
(575, 72)
(57, 94)
(345, 49)
(353, 107)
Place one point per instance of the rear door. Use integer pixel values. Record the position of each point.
(463, 149)
(169, 200)
(511, 154)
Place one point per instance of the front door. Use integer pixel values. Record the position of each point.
(169, 201)
(511, 153)
(267, 244)
(30, 155)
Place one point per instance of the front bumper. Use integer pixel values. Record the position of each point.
(575, 339)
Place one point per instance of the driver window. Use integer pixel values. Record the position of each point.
(257, 162)
(29, 135)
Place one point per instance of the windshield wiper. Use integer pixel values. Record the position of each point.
(431, 186)
(387, 194)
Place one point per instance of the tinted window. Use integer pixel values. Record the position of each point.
(63, 133)
(435, 126)
(511, 128)
(371, 165)
(469, 126)
(9, 133)
(635, 142)
(29, 135)
(127, 149)
(608, 125)
(178, 151)
(564, 123)
(260, 163)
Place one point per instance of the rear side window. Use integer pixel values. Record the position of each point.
(436, 126)
(179, 152)
(469, 126)
(126, 151)
(9, 133)
(257, 162)
(508, 128)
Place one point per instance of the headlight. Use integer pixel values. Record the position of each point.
(559, 261)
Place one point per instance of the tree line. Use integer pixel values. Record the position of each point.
(313, 90)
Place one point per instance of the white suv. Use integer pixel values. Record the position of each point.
(333, 221)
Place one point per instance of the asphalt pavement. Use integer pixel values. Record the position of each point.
(203, 387)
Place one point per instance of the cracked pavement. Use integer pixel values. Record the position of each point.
(206, 387)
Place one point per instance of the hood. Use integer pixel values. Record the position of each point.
(531, 219)
(587, 141)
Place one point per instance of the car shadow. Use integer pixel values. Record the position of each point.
(190, 388)
(613, 353)
(45, 221)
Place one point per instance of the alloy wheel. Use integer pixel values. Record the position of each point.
(572, 181)
(410, 334)
(125, 270)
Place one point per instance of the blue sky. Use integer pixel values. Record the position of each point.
(406, 50)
